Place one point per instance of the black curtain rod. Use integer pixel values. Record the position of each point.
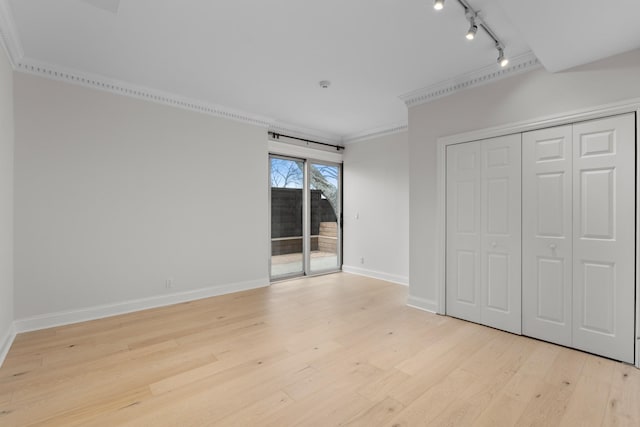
(276, 135)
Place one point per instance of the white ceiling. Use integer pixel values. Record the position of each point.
(265, 58)
(567, 33)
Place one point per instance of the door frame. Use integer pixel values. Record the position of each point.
(438, 305)
(308, 156)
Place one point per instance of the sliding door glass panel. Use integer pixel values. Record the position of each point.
(325, 214)
(287, 183)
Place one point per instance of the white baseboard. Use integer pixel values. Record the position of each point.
(423, 304)
(393, 278)
(6, 341)
(61, 318)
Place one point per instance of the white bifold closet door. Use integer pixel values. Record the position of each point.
(483, 267)
(579, 236)
(547, 234)
(604, 237)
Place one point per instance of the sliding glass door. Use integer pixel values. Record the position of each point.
(325, 216)
(287, 216)
(305, 211)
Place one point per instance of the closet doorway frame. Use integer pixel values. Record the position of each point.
(598, 112)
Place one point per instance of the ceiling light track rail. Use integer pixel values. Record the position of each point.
(476, 21)
(276, 136)
(472, 14)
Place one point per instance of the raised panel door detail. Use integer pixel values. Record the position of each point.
(501, 279)
(597, 144)
(498, 281)
(597, 201)
(604, 204)
(598, 297)
(466, 209)
(463, 231)
(498, 157)
(547, 179)
(498, 206)
(483, 280)
(465, 161)
(549, 149)
(551, 201)
(466, 283)
(551, 276)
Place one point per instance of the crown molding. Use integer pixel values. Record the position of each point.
(95, 81)
(11, 42)
(517, 65)
(9, 34)
(376, 133)
(102, 83)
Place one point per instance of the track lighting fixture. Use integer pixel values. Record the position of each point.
(476, 22)
(502, 60)
(473, 29)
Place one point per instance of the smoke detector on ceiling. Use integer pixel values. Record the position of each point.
(325, 84)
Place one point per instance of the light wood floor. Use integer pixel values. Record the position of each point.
(330, 350)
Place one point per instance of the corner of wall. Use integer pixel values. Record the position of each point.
(7, 149)
(423, 304)
(6, 341)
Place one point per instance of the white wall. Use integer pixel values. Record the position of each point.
(6, 202)
(524, 97)
(376, 188)
(114, 195)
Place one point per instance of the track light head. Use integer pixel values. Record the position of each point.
(473, 29)
(502, 60)
(477, 21)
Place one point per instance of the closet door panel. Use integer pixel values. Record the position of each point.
(547, 234)
(463, 232)
(604, 236)
(501, 233)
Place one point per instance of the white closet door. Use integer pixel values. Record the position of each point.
(483, 280)
(547, 260)
(603, 236)
(463, 232)
(501, 233)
